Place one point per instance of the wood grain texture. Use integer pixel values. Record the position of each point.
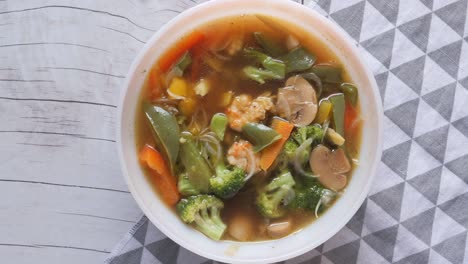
(62, 65)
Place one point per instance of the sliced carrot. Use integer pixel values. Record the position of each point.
(178, 50)
(270, 153)
(165, 182)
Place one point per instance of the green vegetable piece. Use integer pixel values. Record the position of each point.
(338, 102)
(298, 59)
(351, 93)
(228, 181)
(269, 199)
(268, 44)
(179, 67)
(165, 131)
(307, 197)
(286, 155)
(204, 211)
(289, 149)
(275, 66)
(328, 73)
(311, 131)
(197, 169)
(260, 75)
(260, 135)
(299, 145)
(185, 187)
(218, 125)
(184, 61)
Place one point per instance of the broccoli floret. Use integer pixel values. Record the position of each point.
(228, 181)
(287, 154)
(185, 187)
(204, 211)
(307, 197)
(310, 195)
(269, 199)
(303, 138)
(306, 132)
(290, 148)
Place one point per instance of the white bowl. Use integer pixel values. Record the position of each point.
(317, 232)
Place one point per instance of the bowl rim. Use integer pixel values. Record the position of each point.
(346, 41)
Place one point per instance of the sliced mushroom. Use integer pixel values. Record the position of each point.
(330, 167)
(279, 229)
(338, 162)
(297, 101)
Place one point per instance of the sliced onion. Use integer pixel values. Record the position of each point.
(221, 56)
(187, 134)
(174, 72)
(175, 96)
(317, 207)
(289, 197)
(216, 46)
(165, 100)
(217, 150)
(199, 120)
(325, 128)
(326, 198)
(298, 163)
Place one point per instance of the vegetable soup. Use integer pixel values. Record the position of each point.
(249, 128)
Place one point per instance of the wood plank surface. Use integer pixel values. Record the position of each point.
(62, 66)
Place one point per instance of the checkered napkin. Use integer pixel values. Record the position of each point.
(417, 210)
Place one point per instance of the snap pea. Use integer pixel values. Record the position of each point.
(260, 135)
(350, 92)
(328, 73)
(196, 167)
(165, 131)
(185, 187)
(179, 67)
(338, 102)
(218, 125)
(298, 59)
(268, 44)
(274, 65)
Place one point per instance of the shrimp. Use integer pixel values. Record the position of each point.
(241, 154)
(244, 109)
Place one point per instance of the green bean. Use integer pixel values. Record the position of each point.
(338, 102)
(268, 44)
(298, 59)
(218, 125)
(328, 73)
(165, 131)
(260, 135)
(350, 92)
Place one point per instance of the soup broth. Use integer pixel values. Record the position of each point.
(217, 76)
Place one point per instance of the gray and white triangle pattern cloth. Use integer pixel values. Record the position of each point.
(417, 210)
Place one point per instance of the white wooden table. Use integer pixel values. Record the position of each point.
(62, 196)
